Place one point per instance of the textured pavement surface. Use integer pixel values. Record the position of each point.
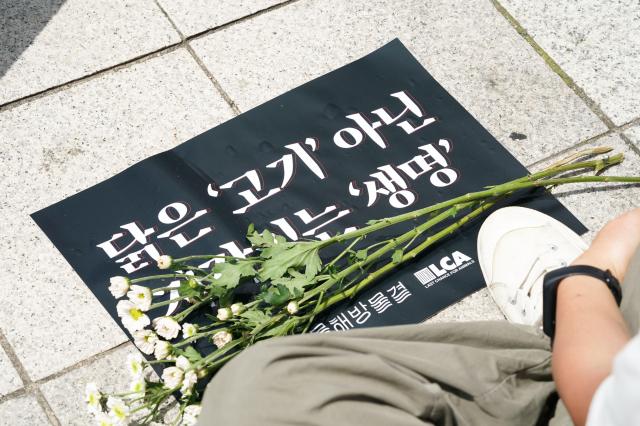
(88, 88)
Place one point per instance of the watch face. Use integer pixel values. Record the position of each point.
(549, 293)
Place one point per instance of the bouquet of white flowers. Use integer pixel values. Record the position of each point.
(295, 283)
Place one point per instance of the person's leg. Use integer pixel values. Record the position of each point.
(466, 373)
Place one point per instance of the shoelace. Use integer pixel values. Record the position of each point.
(529, 280)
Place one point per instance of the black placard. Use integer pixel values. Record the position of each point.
(372, 139)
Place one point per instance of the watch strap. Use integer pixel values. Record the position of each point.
(550, 287)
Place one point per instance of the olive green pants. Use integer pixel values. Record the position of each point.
(475, 373)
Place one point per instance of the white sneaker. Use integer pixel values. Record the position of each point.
(516, 247)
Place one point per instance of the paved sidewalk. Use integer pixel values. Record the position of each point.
(90, 87)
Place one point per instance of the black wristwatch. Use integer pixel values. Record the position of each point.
(550, 290)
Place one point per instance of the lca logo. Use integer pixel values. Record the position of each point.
(447, 266)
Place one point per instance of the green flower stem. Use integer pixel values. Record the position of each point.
(209, 257)
(312, 316)
(221, 362)
(498, 191)
(167, 302)
(158, 277)
(214, 357)
(161, 397)
(196, 337)
(154, 290)
(511, 186)
(182, 315)
(338, 297)
(193, 268)
(585, 152)
(392, 244)
(562, 167)
(345, 251)
(201, 257)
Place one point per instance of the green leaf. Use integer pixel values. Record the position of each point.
(255, 316)
(277, 295)
(294, 284)
(153, 390)
(313, 264)
(192, 354)
(264, 239)
(190, 288)
(361, 254)
(396, 257)
(231, 272)
(283, 256)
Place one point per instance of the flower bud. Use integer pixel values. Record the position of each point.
(172, 377)
(221, 338)
(164, 262)
(166, 327)
(162, 350)
(119, 286)
(293, 307)
(183, 363)
(189, 330)
(224, 314)
(237, 308)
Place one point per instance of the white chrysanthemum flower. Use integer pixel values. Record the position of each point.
(237, 308)
(118, 409)
(221, 338)
(189, 330)
(103, 419)
(190, 415)
(189, 380)
(162, 350)
(92, 397)
(172, 377)
(140, 296)
(224, 314)
(138, 385)
(164, 262)
(134, 363)
(119, 286)
(183, 363)
(131, 315)
(293, 307)
(145, 340)
(166, 327)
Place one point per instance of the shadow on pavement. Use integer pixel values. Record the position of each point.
(20, 22)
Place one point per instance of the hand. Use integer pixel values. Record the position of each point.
(615, 245)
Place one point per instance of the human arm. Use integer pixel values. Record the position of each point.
(590, 329)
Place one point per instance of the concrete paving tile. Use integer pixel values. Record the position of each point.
(477, 307)
(58, 145)
(467, 46)
(634, 134)
(23, 411)
(65, 394)
(9, 379)
(595, 204)
(595, 42)
(44, 44)
(194, 16)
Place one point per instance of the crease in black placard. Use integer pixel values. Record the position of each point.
(316, 109)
